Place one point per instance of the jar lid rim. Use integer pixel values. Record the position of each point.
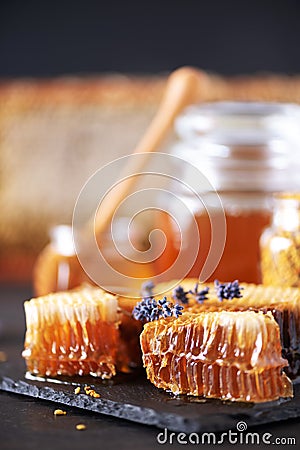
(240, 144)
(242, 108)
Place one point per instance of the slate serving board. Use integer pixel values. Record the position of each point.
(133, 398)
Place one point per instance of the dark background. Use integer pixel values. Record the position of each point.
(43, 38)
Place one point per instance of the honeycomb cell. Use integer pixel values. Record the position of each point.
(73, 333)
(228, 355)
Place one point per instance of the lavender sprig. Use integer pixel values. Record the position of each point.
(147, 289)
(228, 290)
(150, 309)
(177, 310)
(180, 295)
(200, 296)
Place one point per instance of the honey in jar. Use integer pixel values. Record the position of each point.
(247, 151)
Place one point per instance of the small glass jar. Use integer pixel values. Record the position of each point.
(247, 151)
(58, 267)
(280, 243)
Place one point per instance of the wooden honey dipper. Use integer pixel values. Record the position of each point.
(60, 270)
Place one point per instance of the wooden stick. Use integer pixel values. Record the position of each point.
(184, 86)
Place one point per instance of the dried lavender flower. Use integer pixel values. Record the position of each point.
(177, 310)
(200, 296)
(228, 290)
(180, 295)
(150, 309)
(147, 289)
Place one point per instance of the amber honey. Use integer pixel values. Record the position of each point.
(243, 152)
(232, 364)
(72, 333)
(241, 256)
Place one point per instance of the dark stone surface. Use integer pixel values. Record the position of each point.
(135, 399)
(27, 421)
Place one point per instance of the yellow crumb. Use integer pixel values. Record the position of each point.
(89, 391)
(96, 395)
(77, 390)
(80, 426)
(59, 412)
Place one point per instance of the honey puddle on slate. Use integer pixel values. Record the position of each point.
(119, 378)
(169, 397)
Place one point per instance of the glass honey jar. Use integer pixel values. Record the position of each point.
(280, 243)
(247, 151)
(58, 267)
